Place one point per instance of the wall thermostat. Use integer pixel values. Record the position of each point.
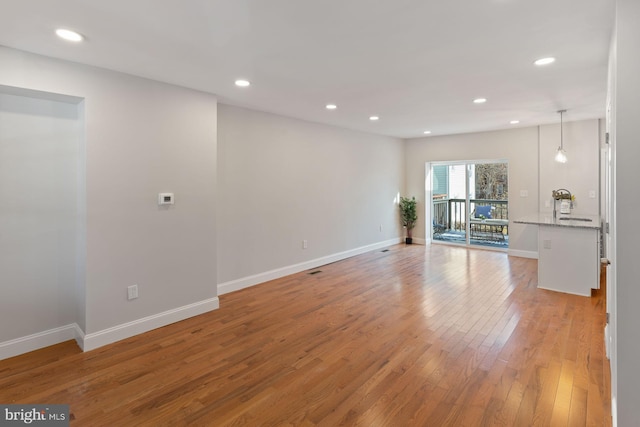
(166, 199)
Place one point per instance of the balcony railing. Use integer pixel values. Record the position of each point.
(451, 214)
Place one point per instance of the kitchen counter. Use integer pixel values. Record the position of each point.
(547, 219)
(568, 252)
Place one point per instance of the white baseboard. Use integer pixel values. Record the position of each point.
(37, 341)
(107, 336)
(94, 340)
(523, 254)
(245, 282)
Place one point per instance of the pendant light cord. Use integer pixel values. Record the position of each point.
(561, 129)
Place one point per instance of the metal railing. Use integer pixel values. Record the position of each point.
(451, 214)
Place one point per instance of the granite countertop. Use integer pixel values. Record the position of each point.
(546, 218)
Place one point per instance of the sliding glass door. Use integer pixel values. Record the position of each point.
(469, 203)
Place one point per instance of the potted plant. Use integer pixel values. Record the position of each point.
(408, 215)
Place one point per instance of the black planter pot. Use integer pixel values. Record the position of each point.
(408, 240)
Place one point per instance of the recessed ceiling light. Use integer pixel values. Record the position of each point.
(69, 35)
(514, 122)
(427, 132)
(331, 106)
(243, 83)
(480, 100)
(374, 118)
(545, 61)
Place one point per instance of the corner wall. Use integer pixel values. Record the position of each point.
(283, 181)
(518, 146)
(142, 137)
(626, 233)
(40, 146)
(530, 152)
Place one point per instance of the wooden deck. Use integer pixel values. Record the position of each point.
(476, 239)
(414, 336)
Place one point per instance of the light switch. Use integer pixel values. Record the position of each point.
(592, 194)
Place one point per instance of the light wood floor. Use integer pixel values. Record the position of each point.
(415, 336)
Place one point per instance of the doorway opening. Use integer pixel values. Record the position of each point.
(469, 202)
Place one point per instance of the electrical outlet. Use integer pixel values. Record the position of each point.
(524, 193)
(592, 194)
(547, 204)
(132, 292)
(546, 244)
(304, 244)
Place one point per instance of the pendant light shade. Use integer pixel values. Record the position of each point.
(561, 155)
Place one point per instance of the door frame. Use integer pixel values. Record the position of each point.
(429, 210)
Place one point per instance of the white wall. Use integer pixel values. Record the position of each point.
(581, 173)
(518, 146)
(39, 178)
(626, 233)
(142, 137)
(529, 152)
(284, 180)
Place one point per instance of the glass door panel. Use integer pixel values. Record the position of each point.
(449, 203)
(470, 203)
(489, 214)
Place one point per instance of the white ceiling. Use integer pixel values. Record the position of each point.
(417, 64)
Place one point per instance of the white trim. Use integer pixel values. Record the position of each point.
(79, 336)
(614, 412)
(245, 282)
(523, 254)
(107, 336)
(37, 341)
(428, 207)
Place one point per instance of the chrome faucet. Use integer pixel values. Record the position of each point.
(560, 194)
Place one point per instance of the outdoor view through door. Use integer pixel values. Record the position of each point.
(470, 203)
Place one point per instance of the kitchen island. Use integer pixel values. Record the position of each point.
(568, 252)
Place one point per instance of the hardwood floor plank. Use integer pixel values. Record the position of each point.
(578, 411)
(549, 377)
(418, 335)
(562, 403)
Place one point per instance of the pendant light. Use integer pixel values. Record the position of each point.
(561, 155)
